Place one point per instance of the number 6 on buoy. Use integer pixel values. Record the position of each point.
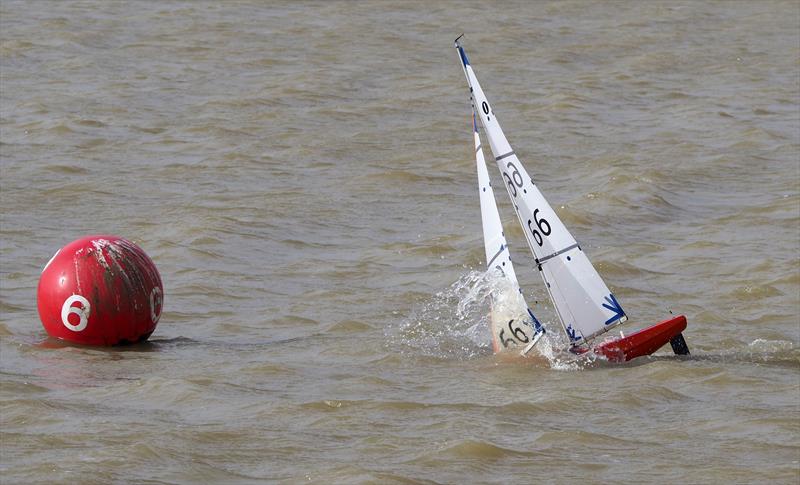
(82, 311)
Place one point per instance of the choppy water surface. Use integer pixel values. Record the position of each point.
(303, 176)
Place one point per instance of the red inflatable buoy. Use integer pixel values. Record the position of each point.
(100, 290)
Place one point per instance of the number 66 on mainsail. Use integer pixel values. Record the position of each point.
(584, 304)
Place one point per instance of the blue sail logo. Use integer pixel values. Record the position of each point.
(613, 305)
(572, 333)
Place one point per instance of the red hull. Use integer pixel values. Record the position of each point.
(643, 342)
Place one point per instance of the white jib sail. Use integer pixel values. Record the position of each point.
(582, 300)
(513, 324)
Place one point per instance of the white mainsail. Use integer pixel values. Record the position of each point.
(510, 327)
(582, 300)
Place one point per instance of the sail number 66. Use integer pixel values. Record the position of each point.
(514, 180)
(543, 226)
(518, 333)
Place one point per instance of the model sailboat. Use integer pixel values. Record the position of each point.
(585, 306)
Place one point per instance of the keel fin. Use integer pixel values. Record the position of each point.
(679, 345)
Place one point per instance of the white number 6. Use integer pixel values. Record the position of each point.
(82, 312)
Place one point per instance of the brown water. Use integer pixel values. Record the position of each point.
(303, 176)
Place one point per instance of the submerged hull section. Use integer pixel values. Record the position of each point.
(645, 341)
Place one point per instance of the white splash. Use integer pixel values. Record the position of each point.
(455, 323)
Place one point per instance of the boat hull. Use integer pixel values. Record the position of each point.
(644, 342)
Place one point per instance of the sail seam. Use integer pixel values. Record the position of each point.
(489, 264)
(551, 256)
(504, 155)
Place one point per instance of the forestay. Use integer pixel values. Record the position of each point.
(582, 300)
(509, 327)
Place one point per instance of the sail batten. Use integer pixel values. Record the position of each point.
(557, 253)
(583, 302)
(504, 156)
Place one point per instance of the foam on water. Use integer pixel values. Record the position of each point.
(761, 351)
